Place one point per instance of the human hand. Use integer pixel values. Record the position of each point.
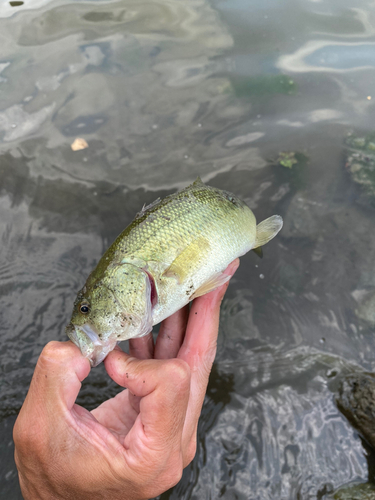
(135, 445)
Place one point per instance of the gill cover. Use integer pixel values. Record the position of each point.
(120, 308)
(131, 288)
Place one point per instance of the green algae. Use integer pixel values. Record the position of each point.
(362, 491)
(247, 87)
(360, 164)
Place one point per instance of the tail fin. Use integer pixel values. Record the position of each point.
(267, 230)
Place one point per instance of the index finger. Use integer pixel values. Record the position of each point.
(199, 344)
(163, 388)
(199, 348)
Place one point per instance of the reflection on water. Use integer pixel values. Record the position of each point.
(281, 435)
(325, 56)
(163, 91)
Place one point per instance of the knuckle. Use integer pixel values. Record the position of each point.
(190, 453)
(19, 433)
(177, 475)
(178, 371)
(27, 439)
(17, 459)
(161, 479)
(208, 360)
(55, 352)
(174, 473)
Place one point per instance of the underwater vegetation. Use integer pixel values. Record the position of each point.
(360, 164)
(262, 85)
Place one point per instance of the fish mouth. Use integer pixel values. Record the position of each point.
(87, 340)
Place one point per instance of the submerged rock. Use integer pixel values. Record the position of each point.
(360, 163)
(302, 219)
(362, 491)
(356, 400)
(366, 308)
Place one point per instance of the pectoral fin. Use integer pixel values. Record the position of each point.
(189, 258)
(267, 230)
(217, 280)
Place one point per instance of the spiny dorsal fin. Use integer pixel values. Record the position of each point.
(145, 208)
(198, 182)
(267, 230)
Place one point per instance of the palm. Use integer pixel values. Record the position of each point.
(117, 415)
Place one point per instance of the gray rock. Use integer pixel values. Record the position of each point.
(356, 400)
(362, 491)
(302, 218)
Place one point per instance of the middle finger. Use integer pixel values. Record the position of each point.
(142, 347)
(171, 334)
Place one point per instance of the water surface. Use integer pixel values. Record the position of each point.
(164, 91)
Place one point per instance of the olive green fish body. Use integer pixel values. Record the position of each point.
(175, 250)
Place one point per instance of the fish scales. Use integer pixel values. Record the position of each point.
(173, 251)
(177, 222)
(200, 216)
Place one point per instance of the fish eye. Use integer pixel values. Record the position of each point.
(84, 308)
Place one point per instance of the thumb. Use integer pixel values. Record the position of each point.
(57, 377)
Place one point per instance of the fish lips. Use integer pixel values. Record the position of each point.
(87, 340)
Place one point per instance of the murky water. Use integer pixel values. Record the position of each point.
(163, 91)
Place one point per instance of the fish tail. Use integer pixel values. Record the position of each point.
(268, 229)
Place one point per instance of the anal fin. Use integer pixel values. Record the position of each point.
(215, 281)
(258, 251)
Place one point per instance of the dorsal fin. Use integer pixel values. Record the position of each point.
(145, 208)
(198, 182)
(267, 230)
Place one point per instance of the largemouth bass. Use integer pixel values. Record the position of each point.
(175, 249)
